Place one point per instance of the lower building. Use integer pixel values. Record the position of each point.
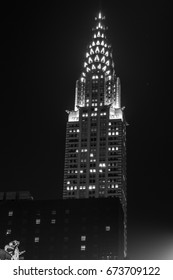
(64, 229)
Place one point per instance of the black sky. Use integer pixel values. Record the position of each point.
(43, 47)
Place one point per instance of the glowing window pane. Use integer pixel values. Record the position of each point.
(102, 35)
(98, 43)
(85, 64)
(94, 35)
(53, 221)
(91, 51)
(107, 72)
(87, 54)
(88, 69)
(108, 228)
(83, 238)
(107, 62)
(93, 66)
(36, 239)
(104, 68)
(8, 231)
(103, 50)
(98, 34)
(10, 213)
(90, 60)
(83, 248)
(97, 50)
(38, 221)
(103, 59)
(107, 53)
(93, 43)
(102, 43)
(99, 66)
(96, 58)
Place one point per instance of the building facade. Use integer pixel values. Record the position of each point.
(64, 229)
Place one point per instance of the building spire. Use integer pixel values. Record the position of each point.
(98, 57)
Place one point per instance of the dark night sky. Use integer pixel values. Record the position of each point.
(43, 47)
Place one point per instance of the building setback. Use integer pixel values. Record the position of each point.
(58, 229)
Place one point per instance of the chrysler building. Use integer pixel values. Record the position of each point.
(95, 152)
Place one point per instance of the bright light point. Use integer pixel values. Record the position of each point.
(100, 15)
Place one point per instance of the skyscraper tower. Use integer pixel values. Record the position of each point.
(95, 153)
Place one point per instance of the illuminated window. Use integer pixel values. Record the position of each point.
(10, 213)
(91, 51)
(83, 238)
(108, 228)
(106, 53)
(8, 231)
(90, 60)
(116, 148)
(96, 58)
(103, 59)
(102, 43)
(38, 221)
(97, 50)
(93, 43)
(36, 239)
(83, 248)
(103, 50)
(53, 221)
(87, 54)
(98, 42)
(117, 133)
(108, 72)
